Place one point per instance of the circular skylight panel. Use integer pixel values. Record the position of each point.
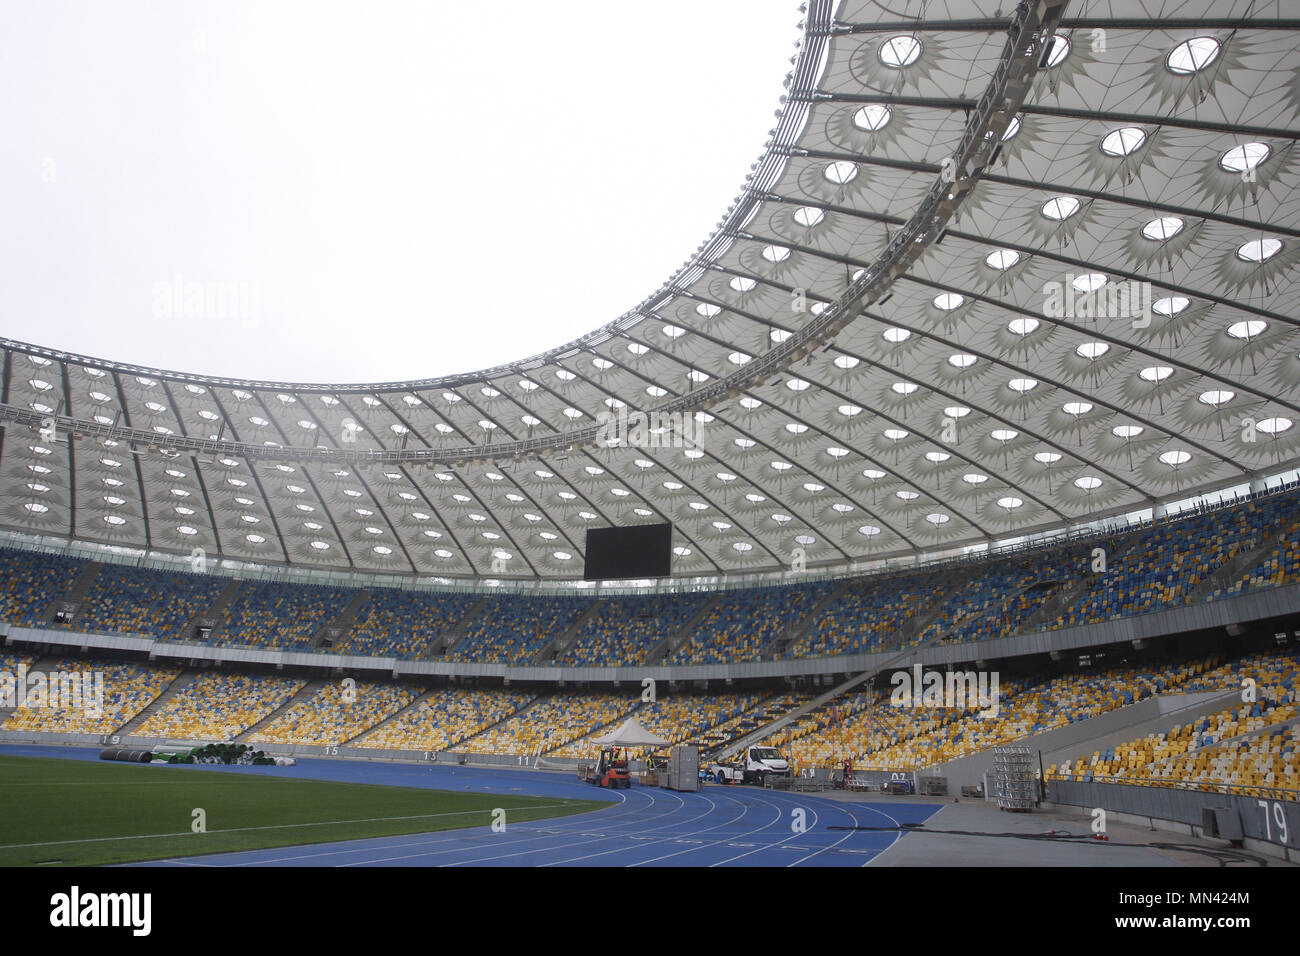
(1087, 482)
(961, 360)
(776, 253)
(780, 335)
(1170, 305)
(1092, 350)
(900, 51)
(1127, 431)
(1077, 408)
(1217, 397)
(974, 478)
(1272, 426)
(1122, 142)
(937, 517)
(1060, 50)
(1089, 282)
(849, 411)
(1022, 326)
(1248, 329)
(840, 172)
(947, 301)
(872, 117)
(1193, 55)
(896, 335)
(1002, 259)
(1156, 373)
(743, 546)
(1003, 434)
(956, 411)
(873, 473)
(1259, 250)
(1175, 458)
(1022, 385)
(807, 216)
(1060, 207)
(867, 530)
(904, 388)
(1163, 229)
(1244, 157)
(742, 283)
(1010, 502)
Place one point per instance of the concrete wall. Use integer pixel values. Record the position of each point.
(1272, 827)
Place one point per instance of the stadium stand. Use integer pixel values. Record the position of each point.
(218, 706)
(145, 601)
(551, 723)
(336, 713)
(513, 628)
(741, 624)
(444, 718)
(280, 615)
(128, 689)
(31, 581)
(624, 630)
(403, 623)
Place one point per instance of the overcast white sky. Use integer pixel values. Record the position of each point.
(384, 190)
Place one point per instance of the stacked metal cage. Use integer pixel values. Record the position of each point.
(1013, 771)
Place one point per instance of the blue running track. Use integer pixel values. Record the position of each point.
(719, 826)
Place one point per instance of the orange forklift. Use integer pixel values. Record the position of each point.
(610, 771)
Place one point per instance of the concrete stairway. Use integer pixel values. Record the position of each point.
(671, 642)
(307, 692)
(179, 683)
(73, 597)
(559, 644)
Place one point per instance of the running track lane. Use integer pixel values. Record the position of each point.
(719, 826)
(644, 826)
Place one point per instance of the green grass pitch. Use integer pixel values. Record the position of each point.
(74, 812)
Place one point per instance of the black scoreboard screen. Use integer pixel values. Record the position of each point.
(639, 551)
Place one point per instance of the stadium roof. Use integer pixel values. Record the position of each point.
(925, 323)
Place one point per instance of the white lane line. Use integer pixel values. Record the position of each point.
(712, 843)
(515, 843)
(780, 815)
(367, 844)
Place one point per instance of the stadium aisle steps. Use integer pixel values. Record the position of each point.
(459, 633)
(342, 622)
(74, 594)
(183, 680)
(397, 715)
(779, 644)
(560, 642)
(671, 642)
(308, 691)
